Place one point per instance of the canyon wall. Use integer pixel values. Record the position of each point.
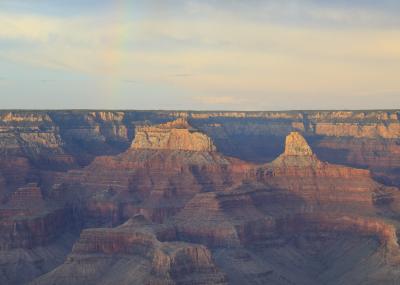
(165, 197)
(67, 139)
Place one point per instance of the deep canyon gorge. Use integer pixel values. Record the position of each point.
(196, 197)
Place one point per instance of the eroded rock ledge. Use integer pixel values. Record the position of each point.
(135, 247)
(175, 135)
(27, 220)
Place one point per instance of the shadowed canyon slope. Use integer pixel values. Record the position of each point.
(158, 197)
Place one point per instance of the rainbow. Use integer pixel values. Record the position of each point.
(118, 34)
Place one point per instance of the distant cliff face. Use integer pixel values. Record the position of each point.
(176, 135)
(61, 140)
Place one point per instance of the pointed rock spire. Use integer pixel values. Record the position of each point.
(296, 145)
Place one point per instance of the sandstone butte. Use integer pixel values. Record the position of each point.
(170, 209)
(176, 135)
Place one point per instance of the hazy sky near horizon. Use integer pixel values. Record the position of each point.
(200, 54)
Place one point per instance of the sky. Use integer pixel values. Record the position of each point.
(200, 54)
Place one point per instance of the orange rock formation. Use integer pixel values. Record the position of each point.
(176, 135)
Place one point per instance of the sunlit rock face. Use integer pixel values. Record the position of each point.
(60, 140)
(295, 144)
(154, 180)
(176, 135)
(129, 197)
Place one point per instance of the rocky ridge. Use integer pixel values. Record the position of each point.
(230, 220)
(68, 139)
(153, 262)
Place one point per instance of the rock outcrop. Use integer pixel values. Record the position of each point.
(239, 219)
(151, 181)
(323, 185)
(34, 137)
(176, 135)
(27, 220)
(134, 246)
(28, 196)
(296, 145)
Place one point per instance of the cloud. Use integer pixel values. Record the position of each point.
(265, 47)
(219, 100)
(308, 13)
(130, 81)
(182, 75)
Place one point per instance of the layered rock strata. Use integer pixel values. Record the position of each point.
(154, 180)
(26, 220)
(176, 135)
(220, 219)
(63, 139)
(134, 245)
